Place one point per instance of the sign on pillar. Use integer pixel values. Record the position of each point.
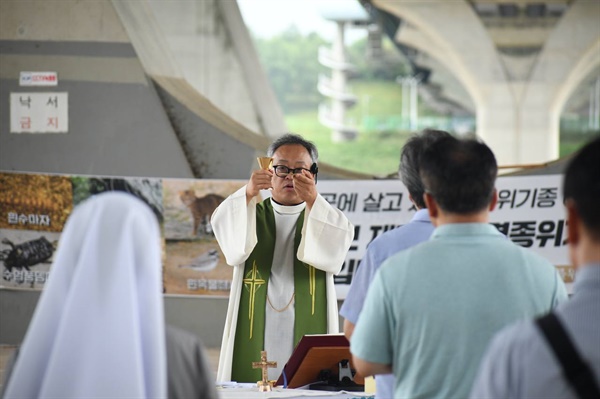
(46, 112)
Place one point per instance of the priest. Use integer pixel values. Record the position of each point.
(285, 251)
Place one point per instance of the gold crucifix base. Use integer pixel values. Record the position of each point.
(265, 386)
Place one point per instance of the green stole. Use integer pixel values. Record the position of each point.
(310, 308)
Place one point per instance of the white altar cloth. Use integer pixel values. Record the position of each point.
(280, 393)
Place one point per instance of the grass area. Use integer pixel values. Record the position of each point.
(378, 152)
(571, 142)
(372, 152)
(377, 98)
(567, 148)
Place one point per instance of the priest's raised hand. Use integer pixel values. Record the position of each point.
(304, 185)
(260, 180)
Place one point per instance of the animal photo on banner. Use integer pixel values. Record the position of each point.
(194, 263)
(26, 257)
(33, 210)
(200, 208)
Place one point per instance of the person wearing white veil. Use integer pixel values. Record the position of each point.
(99, 328)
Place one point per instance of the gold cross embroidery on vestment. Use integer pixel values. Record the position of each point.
(252, 282)
(312, 284)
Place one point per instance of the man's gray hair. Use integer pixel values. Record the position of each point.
(410, 160)
(291, 139)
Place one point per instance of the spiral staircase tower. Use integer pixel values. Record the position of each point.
(339, 98)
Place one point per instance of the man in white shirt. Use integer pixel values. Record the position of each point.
(285, 251)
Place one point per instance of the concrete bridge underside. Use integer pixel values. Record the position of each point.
(157, 89)
(517, 109)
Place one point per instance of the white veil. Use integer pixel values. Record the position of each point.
(98, 329)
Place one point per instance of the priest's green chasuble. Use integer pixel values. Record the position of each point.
(310, 306)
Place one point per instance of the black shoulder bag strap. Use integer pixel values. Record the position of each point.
(574, 367)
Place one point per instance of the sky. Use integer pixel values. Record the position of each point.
(266, 18)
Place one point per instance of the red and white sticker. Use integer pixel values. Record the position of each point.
(38, 79)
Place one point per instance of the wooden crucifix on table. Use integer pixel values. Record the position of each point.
(265, 385)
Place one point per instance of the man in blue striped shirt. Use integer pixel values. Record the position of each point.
(419, 229)
(520, 363)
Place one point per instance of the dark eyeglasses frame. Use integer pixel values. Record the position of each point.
(294, 171)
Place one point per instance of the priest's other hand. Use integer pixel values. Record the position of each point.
(304, 185)
(260, 180)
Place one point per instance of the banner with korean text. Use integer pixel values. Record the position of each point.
(529, 212)
(34, 208)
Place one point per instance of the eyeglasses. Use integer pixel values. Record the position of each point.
(284, 171)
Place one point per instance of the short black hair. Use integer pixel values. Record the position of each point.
(291, 139)
(410, 159)
(459, 174)
(582, 185)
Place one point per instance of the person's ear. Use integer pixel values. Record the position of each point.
(432, 206)
(573, 223)
(574, 236)
(494, 201)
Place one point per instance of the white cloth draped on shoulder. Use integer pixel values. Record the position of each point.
(98, 329)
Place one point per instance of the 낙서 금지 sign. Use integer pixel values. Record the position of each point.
(44, 112)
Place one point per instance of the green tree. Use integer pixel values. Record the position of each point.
(291, 63)
(386, 67)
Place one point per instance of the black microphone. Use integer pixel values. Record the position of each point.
(314, 169)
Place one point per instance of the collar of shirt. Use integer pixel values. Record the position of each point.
(422, 215)
(466, 229)
(288, 209)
